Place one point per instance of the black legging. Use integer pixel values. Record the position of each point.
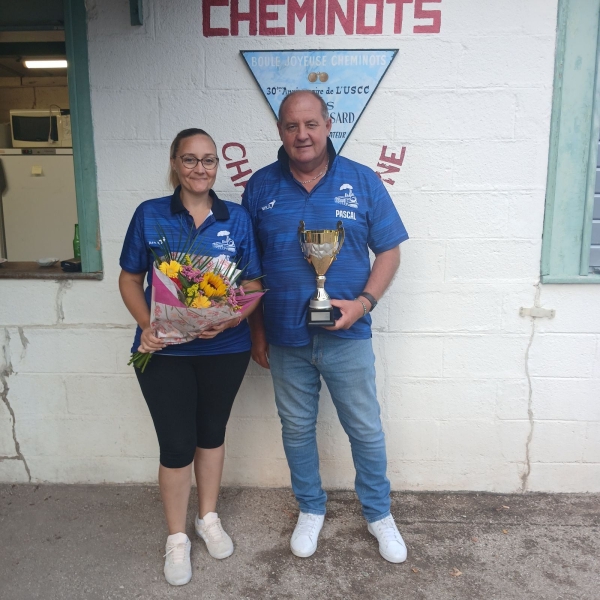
(190, 399)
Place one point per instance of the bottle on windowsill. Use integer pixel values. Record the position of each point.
(76, 243)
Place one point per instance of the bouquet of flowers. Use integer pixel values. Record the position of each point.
(191, 293)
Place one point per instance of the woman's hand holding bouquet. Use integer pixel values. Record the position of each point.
(192, 297)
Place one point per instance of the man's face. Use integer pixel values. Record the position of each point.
(303, 130)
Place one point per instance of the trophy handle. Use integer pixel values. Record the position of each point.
(301, 236)
(341, 238)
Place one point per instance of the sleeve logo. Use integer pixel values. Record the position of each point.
(268, 206)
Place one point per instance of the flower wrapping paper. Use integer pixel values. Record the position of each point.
(175, 323)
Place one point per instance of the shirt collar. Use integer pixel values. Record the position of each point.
(219, 208)
(284, 159)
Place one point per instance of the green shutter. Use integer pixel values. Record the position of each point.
(83, 135)
(573, 146)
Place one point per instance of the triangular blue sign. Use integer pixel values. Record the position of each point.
(346, 80)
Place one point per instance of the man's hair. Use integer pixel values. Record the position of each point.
(324, 110)
(182, 135)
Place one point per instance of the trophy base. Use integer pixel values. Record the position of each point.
(320, 317)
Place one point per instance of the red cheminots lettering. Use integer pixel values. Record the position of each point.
(235, 154)
(315, 17)
(390, 162)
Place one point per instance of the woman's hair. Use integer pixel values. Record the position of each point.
(182, 135)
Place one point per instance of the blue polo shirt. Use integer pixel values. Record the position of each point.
(227, 231)
(349, 192)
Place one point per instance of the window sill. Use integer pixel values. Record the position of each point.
(31, 270)
(591, 278)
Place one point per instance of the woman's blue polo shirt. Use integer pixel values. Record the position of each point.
(227, 231)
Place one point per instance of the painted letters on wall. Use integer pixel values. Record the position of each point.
(221, 18)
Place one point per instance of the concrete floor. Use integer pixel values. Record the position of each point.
(107, 542)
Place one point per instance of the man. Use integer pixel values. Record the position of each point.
(310, 183)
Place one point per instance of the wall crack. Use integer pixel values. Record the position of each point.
(527, 471)
(24, 339)
(5, 373)
(63, 286)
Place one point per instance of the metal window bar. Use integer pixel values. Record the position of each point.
(595, 245)
(591, 225)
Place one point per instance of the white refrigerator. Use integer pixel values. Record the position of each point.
(38, 206)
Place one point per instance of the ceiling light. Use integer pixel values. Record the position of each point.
(46, 64)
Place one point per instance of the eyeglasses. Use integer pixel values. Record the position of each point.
(191, 162)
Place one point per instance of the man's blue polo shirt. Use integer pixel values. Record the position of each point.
(349, 192)
(227, 231)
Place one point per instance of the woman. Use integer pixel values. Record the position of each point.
(190, 388)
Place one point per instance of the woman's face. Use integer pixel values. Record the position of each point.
(198, 179)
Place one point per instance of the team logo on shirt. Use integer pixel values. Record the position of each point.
(225, 244)
(157, 243)
(268, 206)
(348, 199)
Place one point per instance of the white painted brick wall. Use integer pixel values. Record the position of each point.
(512, 399)
(563, 355)
(39, 395)
(493, 355)
(444, 399)
(494, 61)
(13, 471)
(413, 439)
(425, 308)
(565, 477)
(471, 114)
(575, 313)
(591, 448)
(566, 399)
(515, 215)
(485, 260)
(558, 441)
(413, 355)
(460, 391)
(28, 310)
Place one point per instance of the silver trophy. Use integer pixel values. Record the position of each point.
(320, 248)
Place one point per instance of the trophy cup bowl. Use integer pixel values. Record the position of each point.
(320, 248)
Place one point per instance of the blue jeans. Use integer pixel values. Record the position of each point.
(348, 368)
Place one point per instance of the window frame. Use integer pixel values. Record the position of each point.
(84, 159)
(574, 133)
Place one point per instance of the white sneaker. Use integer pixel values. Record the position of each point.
(305, 536)
(218, 543)
(391, 544)
(178, 568)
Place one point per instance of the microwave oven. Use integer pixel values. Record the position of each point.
(41, 128)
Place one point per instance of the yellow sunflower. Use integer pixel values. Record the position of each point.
(213, 285)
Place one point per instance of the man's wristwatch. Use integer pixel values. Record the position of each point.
(370, 298)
